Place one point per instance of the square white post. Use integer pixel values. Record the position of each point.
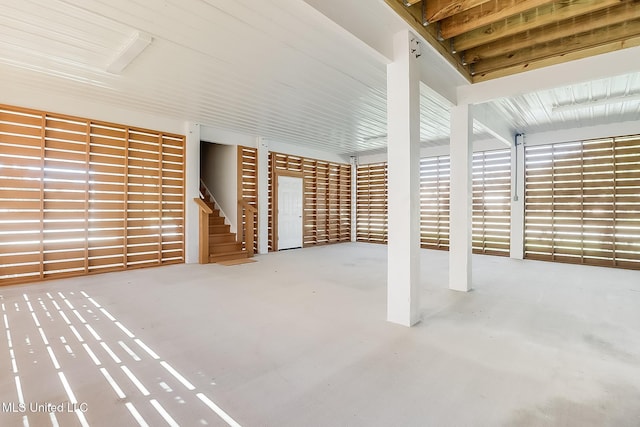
(263, 196)
(460, 219)
(192, 190)
(517, 199)
(403, 122)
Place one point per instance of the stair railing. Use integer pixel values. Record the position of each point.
(203, 240)
(246, 228)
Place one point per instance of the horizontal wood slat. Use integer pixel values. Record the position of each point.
(491, 202)
(327, 198)
(583, 202)
(371, 203)
(69, 189)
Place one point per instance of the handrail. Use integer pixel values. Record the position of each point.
(248, 227)
(203, 245)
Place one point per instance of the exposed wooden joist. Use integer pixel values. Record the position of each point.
(562, 57)
(485, 14)
(411, 2)
(562, 46)
(529, 20)
(436, 10)
(563, 29)
(413, 16)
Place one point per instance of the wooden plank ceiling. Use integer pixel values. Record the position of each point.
(487, 39)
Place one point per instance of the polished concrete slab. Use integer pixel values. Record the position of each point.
(300, 338)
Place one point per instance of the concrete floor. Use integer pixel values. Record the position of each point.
(300, 339)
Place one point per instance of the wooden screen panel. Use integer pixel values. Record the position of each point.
(327, 198)
(492, 202)
(248, 186)
(107, 198)
(582, 202)
(627, 202)
(173, 197)
(144, 199)
(66, 156)
(79, 196)
(371, 203)
(434, 202)
(21, 188)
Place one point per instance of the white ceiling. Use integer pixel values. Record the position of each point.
(279, 69)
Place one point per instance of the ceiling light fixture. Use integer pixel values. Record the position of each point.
(594, 103)
(129, 51)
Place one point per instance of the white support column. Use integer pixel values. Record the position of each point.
(461, 147)
(517, 198)
(192, 190)
(263, 196)
(354, 197)
(403, 122)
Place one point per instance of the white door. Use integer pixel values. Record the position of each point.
(289, 212)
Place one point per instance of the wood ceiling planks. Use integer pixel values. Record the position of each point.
(487, 39)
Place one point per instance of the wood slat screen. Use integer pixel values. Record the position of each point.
(371, 203)
(248, 185)
(79, 196)
(491, 202)
(434, 202)
(327, 198)
(583, 202)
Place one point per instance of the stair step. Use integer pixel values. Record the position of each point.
(227, 256)
(219, 229)
(216, 220)
(222, 238)
(219, 248)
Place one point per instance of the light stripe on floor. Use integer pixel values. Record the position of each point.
(136, 415)
(215, 408)
(164, 413)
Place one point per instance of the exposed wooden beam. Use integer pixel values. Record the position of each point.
(558, 59)
(599, 19)
(411, 2)
(485, 14)
(436, 10)
(558, 48)
(529, 20)
(413, 16)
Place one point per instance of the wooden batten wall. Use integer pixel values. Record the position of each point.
(582, 202)
(491, 202)
(327, 198)
(79, 196)
(248, 186)
(371, 203)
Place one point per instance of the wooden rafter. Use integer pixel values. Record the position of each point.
(486, 39)
(530, 20)
(602, 36)
(437, 10)
(546, 62)
(559, 30)
(485, 14)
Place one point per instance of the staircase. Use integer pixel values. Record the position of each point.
(223, 244)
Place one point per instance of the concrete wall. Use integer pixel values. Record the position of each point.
(219, 171)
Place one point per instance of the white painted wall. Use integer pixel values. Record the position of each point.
(218, 136)
(297, 150)
(220, 174)
(481, 145)
(583, 133)
(54, 102)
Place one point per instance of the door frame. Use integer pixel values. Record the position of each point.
(293, 174)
